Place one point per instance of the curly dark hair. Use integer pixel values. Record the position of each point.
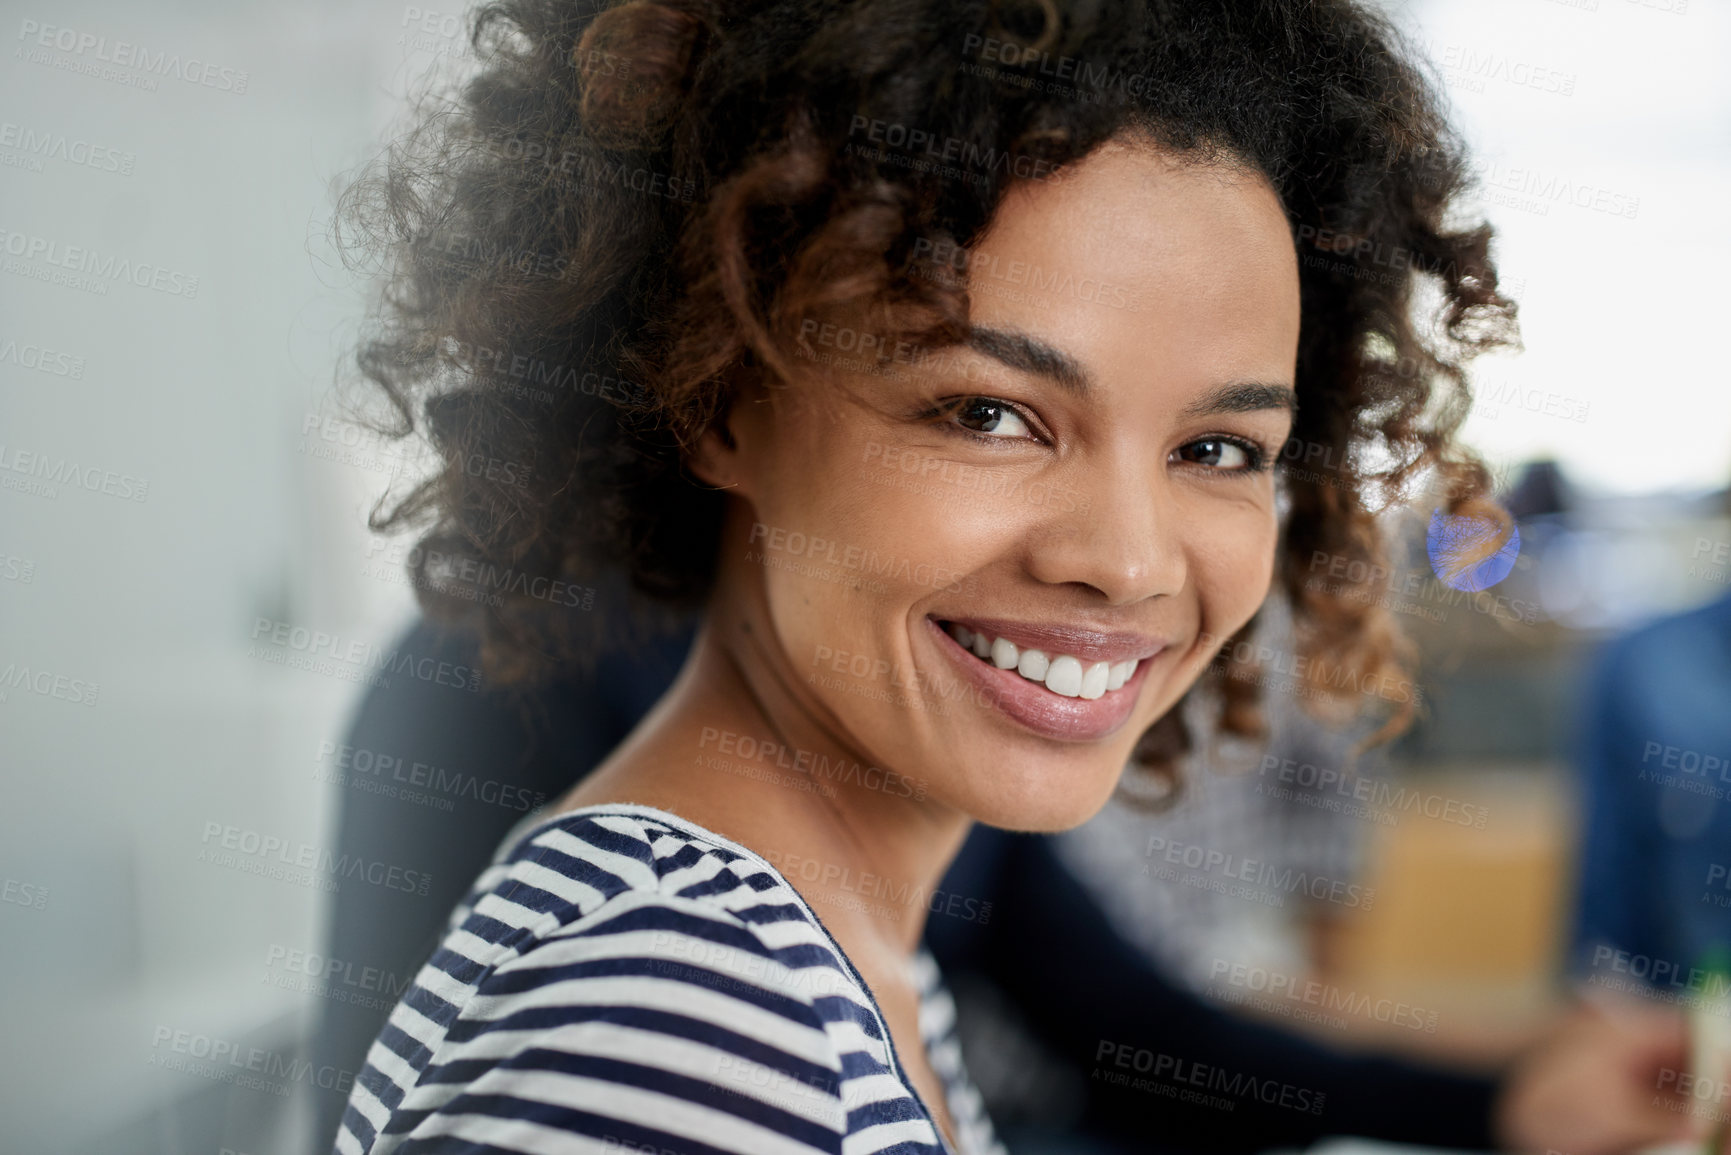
(628, 206)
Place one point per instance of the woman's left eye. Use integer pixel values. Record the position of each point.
(1223, 453)
(994, 418)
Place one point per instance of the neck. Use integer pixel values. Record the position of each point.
(736, 747)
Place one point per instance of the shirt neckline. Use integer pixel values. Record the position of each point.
(687, 826)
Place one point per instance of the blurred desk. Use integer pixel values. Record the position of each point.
(1467, 922)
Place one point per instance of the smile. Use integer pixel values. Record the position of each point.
(1063, 674)
(1071, 684)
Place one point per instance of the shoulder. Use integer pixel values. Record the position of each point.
(1704, 631)
(630, 886)
(658, 988)
(550, 871)
(1664, 676)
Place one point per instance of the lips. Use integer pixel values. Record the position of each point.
(1063, 674)
(1092, 712)
(1085, 645)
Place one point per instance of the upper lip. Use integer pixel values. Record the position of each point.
(1088, 645)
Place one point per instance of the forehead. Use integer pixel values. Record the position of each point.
(1130, 249)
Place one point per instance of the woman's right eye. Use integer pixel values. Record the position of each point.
(996, 419)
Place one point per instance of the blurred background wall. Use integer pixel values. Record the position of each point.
(183, 548)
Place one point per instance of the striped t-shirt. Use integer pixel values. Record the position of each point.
(622, 980)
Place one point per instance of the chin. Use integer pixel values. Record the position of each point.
(1045, 800)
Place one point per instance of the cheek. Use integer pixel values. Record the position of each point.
(1235, 567)
(854, 549)
(899, 514)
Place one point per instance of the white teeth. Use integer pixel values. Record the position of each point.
(1065, 676)
(1062, 674)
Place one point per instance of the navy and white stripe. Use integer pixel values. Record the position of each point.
(620, 979)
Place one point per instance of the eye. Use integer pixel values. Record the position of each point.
(1226, 454)
(985, 415)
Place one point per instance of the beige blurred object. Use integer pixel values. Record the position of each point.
(1470, 922)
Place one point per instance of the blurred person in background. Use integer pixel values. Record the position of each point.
(1653, 904)
(1655, 759)
(810, 222)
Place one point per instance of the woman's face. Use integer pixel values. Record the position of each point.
(1086, 484)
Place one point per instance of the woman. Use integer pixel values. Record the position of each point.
(944, 355)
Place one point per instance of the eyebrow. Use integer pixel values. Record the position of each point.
(1028, 354)
(1242, 397)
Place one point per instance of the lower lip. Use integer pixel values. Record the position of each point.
(1039, 709)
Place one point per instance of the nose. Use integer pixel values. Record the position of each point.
(1121, 536)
